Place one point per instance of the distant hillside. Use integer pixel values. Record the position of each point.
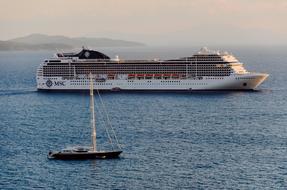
(16, 46)
(45, 42)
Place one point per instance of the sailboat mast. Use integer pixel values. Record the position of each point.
(92, 109)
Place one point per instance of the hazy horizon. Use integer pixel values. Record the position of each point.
(161, 22)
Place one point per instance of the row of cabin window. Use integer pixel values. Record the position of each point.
(109, 84)
(138, 71)
(133, 67)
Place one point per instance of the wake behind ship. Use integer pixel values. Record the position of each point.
(205, 70)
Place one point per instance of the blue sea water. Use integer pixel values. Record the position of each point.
(203, 140)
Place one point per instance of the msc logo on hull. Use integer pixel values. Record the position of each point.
(49, 83)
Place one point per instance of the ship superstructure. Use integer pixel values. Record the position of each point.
(205, 70)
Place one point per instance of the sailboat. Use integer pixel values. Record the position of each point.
(82, 152)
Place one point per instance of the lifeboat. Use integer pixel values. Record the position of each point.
(140, 75)
(131, 76)
(157, 76)
(175, 76)
(148, 76)
(166, 75)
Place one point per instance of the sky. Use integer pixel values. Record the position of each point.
(153, 22)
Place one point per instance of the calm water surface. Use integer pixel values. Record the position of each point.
(232, 140)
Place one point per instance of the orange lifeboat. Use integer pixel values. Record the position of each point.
(148, 76)
(157, 75)
(175, 76)
(140, 75)
(131, 76)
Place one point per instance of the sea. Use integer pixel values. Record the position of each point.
(170, 140)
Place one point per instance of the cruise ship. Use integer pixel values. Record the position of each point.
(205, 70)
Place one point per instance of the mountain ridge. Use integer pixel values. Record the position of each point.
(48, 42)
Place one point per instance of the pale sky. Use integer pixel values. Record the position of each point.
(154, 22)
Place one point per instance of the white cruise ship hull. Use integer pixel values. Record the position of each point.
(248, 81)
(205, 70)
